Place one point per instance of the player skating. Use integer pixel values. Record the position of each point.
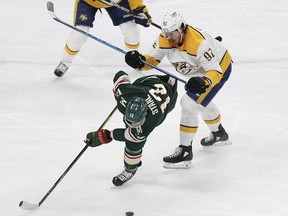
(208, 64)
(84, 17)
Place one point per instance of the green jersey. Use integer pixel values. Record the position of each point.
(160, 96)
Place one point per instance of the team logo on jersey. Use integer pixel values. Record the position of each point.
(83, 17)
(184, 67)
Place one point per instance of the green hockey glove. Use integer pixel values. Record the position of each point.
(97, 138)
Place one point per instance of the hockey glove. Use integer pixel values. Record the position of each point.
(97, 138)
(134, 59)
(141, 16)
(197, 85)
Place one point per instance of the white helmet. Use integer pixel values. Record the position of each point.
(172, 21)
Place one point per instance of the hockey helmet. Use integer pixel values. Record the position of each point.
(136, 111)
(172, 21)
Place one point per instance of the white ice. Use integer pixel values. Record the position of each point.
(44, 119)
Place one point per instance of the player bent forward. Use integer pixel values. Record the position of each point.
(145, 105)
(207, 64)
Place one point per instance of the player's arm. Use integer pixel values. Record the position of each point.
(121, 78)
(213, 75)
(208, 60)
(135, 59)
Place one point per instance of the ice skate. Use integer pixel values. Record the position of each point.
(180, 159)
(61, 69)
(215, 139)
(123, 177)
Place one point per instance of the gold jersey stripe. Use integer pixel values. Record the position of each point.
(98, 4)
(225, 62)
(151, 60)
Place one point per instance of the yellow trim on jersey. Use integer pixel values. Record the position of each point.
(214, 75)
(70, 52)
(192, 41)
(187, 129)
(98, 4)
(137, 3)
(213, 121)
(225, 62)
(151, 60)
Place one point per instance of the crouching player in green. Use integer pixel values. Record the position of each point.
(144, 104)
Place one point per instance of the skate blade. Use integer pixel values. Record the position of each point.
(180, 165)
(219, 144)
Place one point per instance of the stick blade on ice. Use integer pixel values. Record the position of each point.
(50, 6)
(28, 206)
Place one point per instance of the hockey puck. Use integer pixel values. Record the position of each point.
(129, 213)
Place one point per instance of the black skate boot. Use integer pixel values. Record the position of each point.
(180, 159)
(60, 69)
(123, 177)
(217, 138)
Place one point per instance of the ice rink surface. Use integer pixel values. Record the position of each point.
(44, 119)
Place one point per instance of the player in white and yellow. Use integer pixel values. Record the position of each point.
(84, 16)
(207, 64)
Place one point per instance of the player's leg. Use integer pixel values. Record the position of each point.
(126, 24)
(83, 19)
(212, 117)
(132, 160)
(183, 155)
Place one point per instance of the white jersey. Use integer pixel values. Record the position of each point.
(199, 55)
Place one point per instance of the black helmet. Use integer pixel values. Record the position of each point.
(136, 111)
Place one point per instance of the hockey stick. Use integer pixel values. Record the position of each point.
(129, 12)
(32, 206)
(50, 8)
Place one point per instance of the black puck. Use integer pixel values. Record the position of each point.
(129, 213)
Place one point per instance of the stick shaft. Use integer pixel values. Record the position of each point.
(50, 8)
(126, 10)
(34, 206)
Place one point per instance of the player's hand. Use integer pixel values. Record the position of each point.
(97, 138)
(134, 59)
(197, 85)
(141, 16)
